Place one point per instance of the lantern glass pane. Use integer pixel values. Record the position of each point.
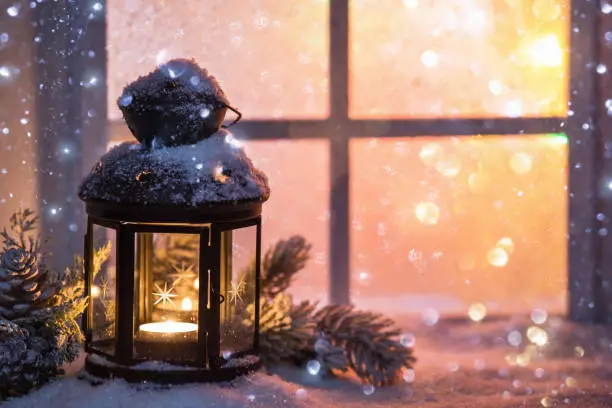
(238, 251)
(103, 293)
(167, 292)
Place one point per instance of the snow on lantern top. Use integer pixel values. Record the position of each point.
(178, 103)
(185, 157)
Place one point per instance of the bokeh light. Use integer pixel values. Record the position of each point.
(451, 242)
(427, 213)
(460, 58)
(477, 312)
(287, 80)
(537, 335)
(546, 52)
(430, 154)
(497, 257)
(507, 244)
(521, 163)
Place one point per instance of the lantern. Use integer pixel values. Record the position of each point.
(178, 300)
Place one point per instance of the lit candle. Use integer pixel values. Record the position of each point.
(168, 330)
(167, 340)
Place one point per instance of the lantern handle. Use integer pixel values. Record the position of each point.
(238, 116)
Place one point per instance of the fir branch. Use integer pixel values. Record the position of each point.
(282, 263)
(21, 224)
(285, 329)
(101, 255)
(340, 337)
(47, 322)
(370, 342)
(279, 266)
(332, 357)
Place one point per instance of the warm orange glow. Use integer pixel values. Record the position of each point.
(95, 291)
(186, 304)
(449, 166)
(270, 56)
(298, 172)
(546, 52)
(219, 176)
(460, 58)
(478, 181)
(169, 327)
(497, 232)
(477, 312)
(537, 335)
(428, 213)
(521, 163)
(430, 154)
(457, 221)
(497, 257)
(196, 283)
(507, 244)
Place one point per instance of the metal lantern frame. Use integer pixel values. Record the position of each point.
(209, 222)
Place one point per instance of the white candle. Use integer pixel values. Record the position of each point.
(169, 327)
(169, 331)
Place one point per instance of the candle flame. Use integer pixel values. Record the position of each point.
(186, 304)
(95, 291)
(196, 283)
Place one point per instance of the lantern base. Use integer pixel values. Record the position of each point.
(159, 372)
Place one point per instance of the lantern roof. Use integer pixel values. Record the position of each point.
(213, 171)
(185, 159)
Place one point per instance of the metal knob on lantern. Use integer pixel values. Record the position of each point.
(196, 317)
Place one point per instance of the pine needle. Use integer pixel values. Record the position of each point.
(340, 337)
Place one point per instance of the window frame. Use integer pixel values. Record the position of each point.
(588, 266)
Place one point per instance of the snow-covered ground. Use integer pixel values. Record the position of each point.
(461, 365)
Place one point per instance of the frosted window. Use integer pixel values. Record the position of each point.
(270, 56)
(299, 204)
(459, 58)
(443, 223)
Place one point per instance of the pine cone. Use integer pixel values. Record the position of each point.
(13, 354)
(27, 359)
(25, 289)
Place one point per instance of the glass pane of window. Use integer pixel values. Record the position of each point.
(238, 287)
(103, 294)
(167, 292)
(270, 56)
(459, 58)
(441, 224)
(298, 172)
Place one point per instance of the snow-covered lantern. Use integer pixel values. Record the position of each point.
(181, 211)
